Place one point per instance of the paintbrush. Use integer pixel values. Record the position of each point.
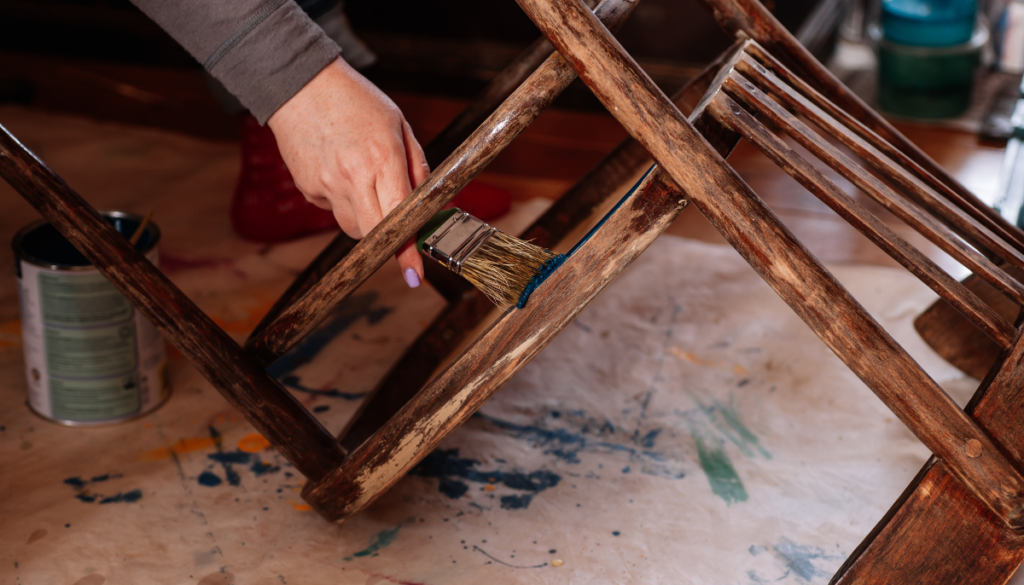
(499, 265)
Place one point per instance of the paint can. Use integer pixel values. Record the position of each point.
(90, 357)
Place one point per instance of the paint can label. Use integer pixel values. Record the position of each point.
(90, 357)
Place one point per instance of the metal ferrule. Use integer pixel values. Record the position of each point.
(456, 240)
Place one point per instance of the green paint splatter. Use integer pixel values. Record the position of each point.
(383, 539)
(725, 483)
(727, 421)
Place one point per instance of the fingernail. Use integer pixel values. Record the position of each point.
(411, 278)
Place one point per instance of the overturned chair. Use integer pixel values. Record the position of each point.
(961, 517)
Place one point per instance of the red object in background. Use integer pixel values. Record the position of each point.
(483, 201)
(267, 207)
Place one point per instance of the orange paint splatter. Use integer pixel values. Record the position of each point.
(245, 323)
(183, 446)
(685, 355)
(489, 487)
(301, 507)
(253, 443)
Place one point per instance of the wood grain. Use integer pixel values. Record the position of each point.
(732, 115)
(777, 255)
(448, 331)
(500, 128)
(908, 211)
(751, 19)
(244, 383)
(498, 354)
(914, 182)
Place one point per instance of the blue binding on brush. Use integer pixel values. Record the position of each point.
(557, 260)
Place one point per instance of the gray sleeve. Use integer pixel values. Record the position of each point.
(263, 51)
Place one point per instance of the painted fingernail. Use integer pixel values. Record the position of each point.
(411, 278)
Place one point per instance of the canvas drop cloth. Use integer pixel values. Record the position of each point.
(686, 428)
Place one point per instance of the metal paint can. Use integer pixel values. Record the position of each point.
(90, 357)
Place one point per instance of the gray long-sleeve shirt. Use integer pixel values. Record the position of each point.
(263, 51)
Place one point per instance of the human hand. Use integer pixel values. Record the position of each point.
(350, 150)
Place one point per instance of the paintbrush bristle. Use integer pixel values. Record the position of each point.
(503, 266)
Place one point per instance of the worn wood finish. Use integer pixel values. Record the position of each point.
(734, 116)
(500, 128)
(936, 533)
(497, 91)
(959, 341)
(337, 249)
(909, 212)
(499, 353)
(905, 174)
(969, 545)
(449, 329)
(752, 19)
(746, 222)
(243, 382)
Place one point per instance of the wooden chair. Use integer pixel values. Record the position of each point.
(959, 521)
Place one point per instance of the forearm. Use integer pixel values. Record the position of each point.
(263, 51)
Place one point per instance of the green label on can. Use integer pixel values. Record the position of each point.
(90, 343)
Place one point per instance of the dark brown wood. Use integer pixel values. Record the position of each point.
(958, 340)
(511, 118)
(497, 91)
(734, 116)
(245, 384)
(498, 354)
(753, 20)
(449, 329)
(935, 533)
(907, 175)
(909, 212)
(810, 290)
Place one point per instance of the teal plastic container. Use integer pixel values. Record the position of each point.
(928, 82)
(929, 23)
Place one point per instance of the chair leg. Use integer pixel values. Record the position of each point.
(449, 329)
(507, 122)
(781, 260)
(497, 355)
(243, 382)
(936, 532)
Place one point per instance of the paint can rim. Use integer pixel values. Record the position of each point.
(152, 232)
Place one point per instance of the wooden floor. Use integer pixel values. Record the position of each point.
(554, 152)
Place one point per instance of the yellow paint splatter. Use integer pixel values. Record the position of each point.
(301, 507)
(695, 359)
(183, 446)
(253, 443)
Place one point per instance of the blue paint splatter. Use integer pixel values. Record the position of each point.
(450, 469)
(294, 383)
(348, 312)
(798, 560)
(383, 539)
(127, 497)
(83, 494)
(261, 468)
(76, 482)
(592, 435)
(209, 479)
(515, 502)
(236, 456)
